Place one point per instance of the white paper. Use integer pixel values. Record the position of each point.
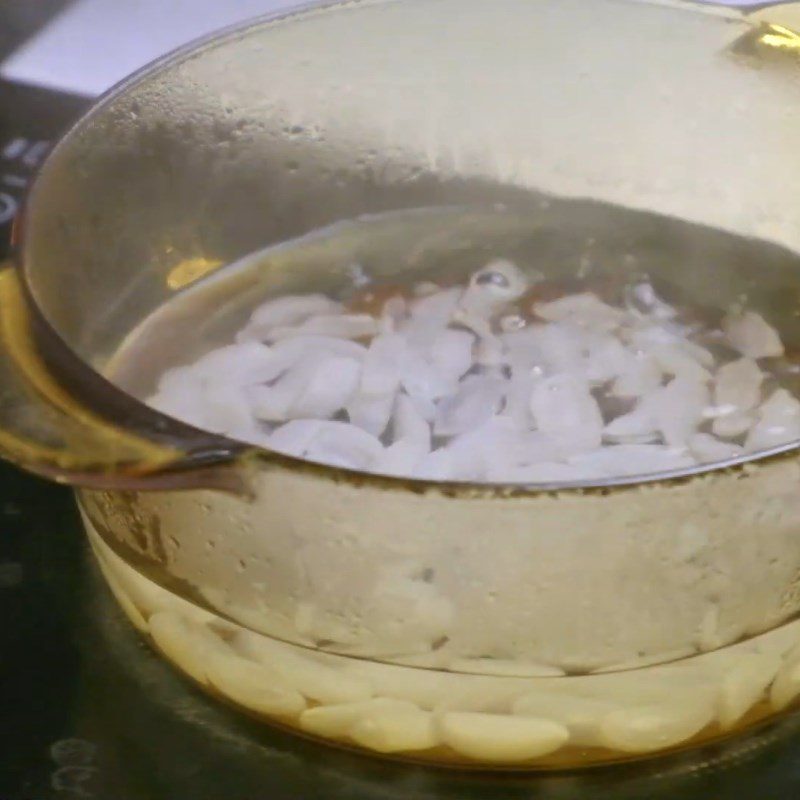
(94, 44)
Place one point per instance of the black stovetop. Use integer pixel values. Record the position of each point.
(87, 711)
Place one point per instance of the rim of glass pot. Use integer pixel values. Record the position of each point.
(201, 449)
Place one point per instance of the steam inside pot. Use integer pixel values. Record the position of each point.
(503, 377)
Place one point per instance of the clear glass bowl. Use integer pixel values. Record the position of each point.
(485, 626)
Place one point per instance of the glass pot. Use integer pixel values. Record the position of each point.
(479, 625)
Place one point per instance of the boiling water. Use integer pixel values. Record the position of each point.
(446, 700)
(459, 719)
(511, 372)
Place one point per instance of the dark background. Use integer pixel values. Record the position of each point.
(20, 18)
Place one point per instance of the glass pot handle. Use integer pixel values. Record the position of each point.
(46, 430)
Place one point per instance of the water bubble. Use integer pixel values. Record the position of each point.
(73, 752)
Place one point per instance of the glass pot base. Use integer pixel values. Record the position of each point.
(465, 720)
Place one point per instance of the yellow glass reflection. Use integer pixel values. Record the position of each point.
(780, 37)
(190, 270)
